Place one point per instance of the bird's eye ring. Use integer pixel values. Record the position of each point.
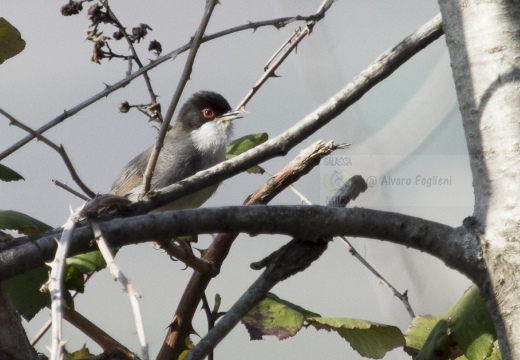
(208, 113)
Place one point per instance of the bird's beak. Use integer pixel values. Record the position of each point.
(230, 116)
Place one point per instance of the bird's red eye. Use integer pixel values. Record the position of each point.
(208, 113)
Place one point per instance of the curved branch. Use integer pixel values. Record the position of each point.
(451, 245)
(59, 149)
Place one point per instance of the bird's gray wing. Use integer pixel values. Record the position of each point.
(131, 176)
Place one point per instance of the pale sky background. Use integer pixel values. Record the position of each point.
(406, 127)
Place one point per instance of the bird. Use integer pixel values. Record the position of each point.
(197, 141)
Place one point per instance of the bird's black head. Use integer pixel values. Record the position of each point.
(201, 107)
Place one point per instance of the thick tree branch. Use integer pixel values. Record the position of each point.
(457, 247)
(290, 259)
(217, 252)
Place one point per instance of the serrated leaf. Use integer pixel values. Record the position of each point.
(11, 42)
(7, 174)
(369, 339)
(277, 317)
(465, 330)
(240, 145)
(24, 290)
(14, 220)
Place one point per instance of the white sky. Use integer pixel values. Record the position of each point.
(414, 112)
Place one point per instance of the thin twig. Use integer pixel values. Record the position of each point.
(45, 327)
(112, 348)
(186, 72)
(278, 23)
(69, 189)
(403, 297)
(59, 149)
(293, 41)
(57, 283)
(135, 57)
(189, 259)
(132, 294)
(210, 318)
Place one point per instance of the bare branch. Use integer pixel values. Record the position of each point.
(69, 189)
(129, 288)
(185, 76)
(127, 80)
(110, 346)
(189, 259)
(403, 297)
(59, 149)
(451, 245)
(135, 57)
(292, 43)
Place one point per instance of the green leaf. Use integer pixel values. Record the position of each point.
(74, 279)
(82, 353)
(369, 339)
(11, 42)
(188, 345)
(418, 332)
(25, 293)
(465, 330)
(274, 316)
(7, 174)
(14, 220)
(240, 145)
(218, 301)
(88, 262)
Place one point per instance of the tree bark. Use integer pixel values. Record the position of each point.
(483, 38)
(14, 344)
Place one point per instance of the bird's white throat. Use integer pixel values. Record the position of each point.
(213, 137)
